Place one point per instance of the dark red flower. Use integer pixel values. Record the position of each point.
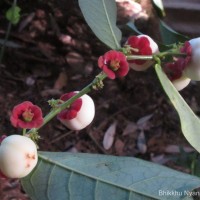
(114, 64)
(140, 46)
(174, 69)
(187, 49)
(72, 111)
(26, 115)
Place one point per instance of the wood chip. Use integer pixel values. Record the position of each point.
(61, 81)
(176, 149)
(130, 128)
(109, 136)
(141, 142)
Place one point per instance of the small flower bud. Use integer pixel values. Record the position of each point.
(80, 113)
(18, 156)
(141, 45)
(192, 69)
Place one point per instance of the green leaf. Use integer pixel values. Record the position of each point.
(132, 26)
(13, 14)
(158, 5)
(67, 176)
(170, 36)
(190, 123)
(101, 16)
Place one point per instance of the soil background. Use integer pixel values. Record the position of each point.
(52, 51)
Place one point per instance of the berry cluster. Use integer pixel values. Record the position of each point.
(18, 154)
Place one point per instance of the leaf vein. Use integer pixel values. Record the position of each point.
(110, 25)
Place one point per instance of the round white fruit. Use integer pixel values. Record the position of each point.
(192, 69)
(18, 156)
(84, 116)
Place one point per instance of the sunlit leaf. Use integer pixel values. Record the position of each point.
(67, 176)
(190, 123)
(101, 16)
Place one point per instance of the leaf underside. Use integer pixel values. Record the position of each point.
(101, 177)
(190, 123)
(101, 16)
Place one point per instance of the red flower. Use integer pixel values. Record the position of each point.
(140, 46)
(114, 63)
(174, 70)
(72, 111)
(26, 115)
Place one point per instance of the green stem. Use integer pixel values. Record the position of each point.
(170, 53)
(136, 57)
(94, 84)
(7, 35)
(159, 55)
(24, 131)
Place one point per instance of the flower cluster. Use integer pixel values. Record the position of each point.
(18, 154)
(115, 64)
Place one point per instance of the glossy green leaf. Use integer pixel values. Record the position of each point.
(158, 5)
(190, 123)
(13, 14)
(67, 176)
(170, 36)
(101, 16)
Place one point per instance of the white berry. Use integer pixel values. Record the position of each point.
(192, 69)
(18, 156)
(84, 116)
